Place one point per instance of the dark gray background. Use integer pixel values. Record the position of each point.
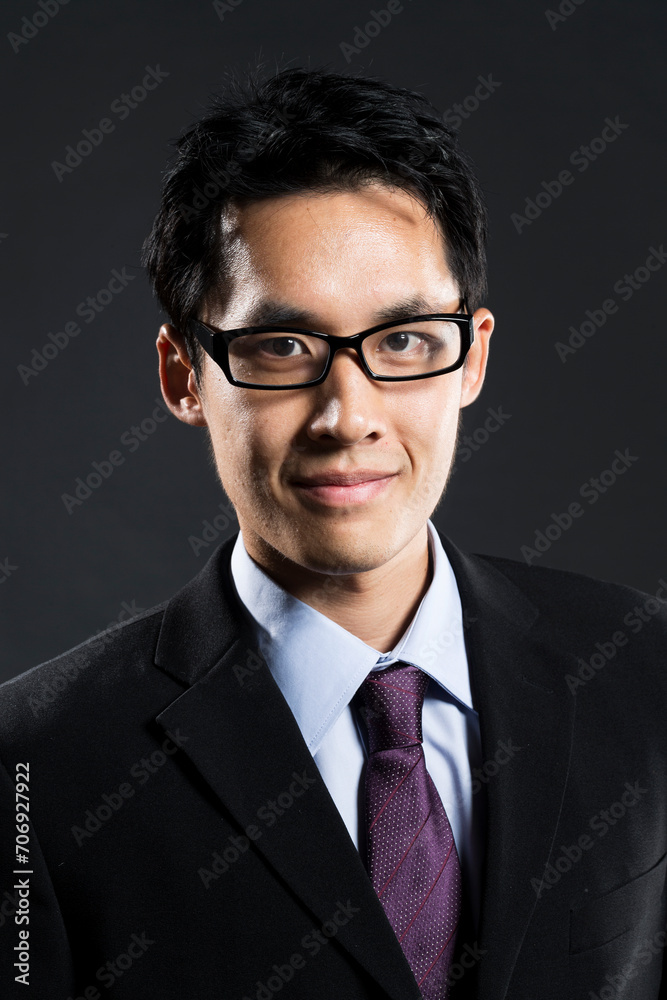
(128, 544)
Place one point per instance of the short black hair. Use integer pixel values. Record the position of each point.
(307, 129)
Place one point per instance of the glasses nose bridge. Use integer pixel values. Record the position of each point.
(336, 343)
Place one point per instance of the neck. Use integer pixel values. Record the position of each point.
(377, 605)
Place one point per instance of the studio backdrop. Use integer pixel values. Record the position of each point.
(561, 461)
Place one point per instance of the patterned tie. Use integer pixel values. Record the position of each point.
(411, 855)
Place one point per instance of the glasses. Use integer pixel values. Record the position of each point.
(284, 357)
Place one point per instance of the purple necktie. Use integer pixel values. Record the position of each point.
(411, 855)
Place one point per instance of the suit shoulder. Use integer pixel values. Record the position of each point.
(561, 594)
(110, 658)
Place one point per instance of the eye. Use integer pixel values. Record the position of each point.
(402, 340)
(282, 347)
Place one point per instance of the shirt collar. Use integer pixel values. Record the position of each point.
(319, 666)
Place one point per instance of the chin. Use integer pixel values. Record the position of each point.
(337, 553)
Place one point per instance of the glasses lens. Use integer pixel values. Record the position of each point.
(284, 357)
(413, 348)
(277, 358)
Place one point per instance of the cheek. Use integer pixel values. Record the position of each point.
(427, 424)
(251, 437)
(429, 439)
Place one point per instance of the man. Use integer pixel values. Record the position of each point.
(346, 760)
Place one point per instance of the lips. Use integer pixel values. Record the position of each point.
(347, 489)
(342, 478)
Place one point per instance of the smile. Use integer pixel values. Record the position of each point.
(334, 491)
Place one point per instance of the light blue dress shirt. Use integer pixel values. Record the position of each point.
(319, 666)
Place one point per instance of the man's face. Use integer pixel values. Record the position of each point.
(340, 259)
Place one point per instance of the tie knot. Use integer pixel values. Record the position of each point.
(390, 702)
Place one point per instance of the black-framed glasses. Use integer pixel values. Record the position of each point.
(288, 357)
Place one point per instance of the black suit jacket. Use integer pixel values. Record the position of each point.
(183, 844)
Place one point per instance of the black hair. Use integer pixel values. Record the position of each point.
(307, 129)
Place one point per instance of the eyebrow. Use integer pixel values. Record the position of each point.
(270, 312)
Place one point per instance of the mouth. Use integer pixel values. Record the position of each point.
(337, 489)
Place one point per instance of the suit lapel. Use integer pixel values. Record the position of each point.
(517, 666)
(244, 741)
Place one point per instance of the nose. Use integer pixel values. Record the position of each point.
(349, 406)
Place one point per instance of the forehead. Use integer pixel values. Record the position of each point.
(322, 248)
(296, 236)
(371, 200)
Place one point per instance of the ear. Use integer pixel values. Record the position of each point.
(475, 363)
(177, 378)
